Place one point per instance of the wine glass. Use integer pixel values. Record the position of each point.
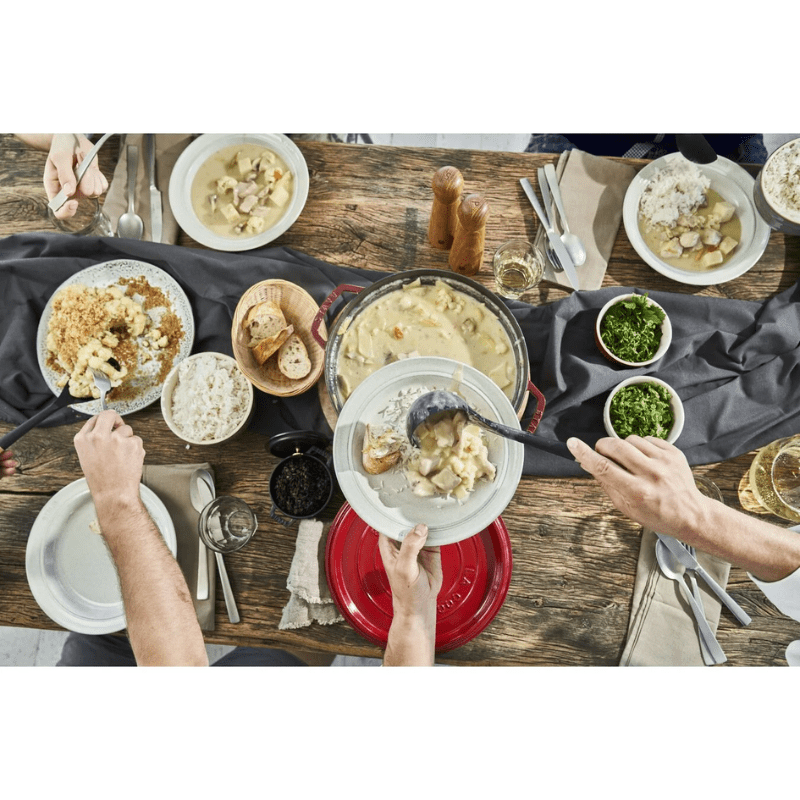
(785, 474)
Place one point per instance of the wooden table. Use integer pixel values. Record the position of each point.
(574, 555)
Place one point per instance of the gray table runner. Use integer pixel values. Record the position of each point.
(734, 363)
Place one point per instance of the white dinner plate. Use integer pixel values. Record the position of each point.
(384, 501)
(106, 275)
(735, 185)
(199, 151)
(69, 568)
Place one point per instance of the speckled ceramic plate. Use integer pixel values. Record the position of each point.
(69, 567)
(107, 274)
(384, 501)
(736, 186)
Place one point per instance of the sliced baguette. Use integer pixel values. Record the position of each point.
(263, 321)
(377, 455)
(293, 360)
(263, 349)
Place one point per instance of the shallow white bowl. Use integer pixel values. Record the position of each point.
(198, 152)
(666, 334)
(736, 186)
(169, 388)
(677, 406)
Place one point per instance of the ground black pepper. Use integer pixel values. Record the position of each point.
(301, 486)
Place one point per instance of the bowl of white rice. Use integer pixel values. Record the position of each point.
(777, 189)
(207, 399)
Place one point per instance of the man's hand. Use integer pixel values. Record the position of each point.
(111, 458)
(7, 464)
(67, 150)
(415, 577)
(647, 479)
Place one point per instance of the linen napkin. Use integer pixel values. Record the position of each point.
(168, 147)
(310, 599)
(172, 486)
(593, 189)
(662, 630)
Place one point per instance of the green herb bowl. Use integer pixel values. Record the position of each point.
(666, 333)
(675, 404)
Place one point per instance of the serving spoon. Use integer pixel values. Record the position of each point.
(439, 402)
(64, 399)
(130, 225)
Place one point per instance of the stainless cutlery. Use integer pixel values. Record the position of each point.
(130, 224)
(62, 196)
(547, 202)
(201, 495)
(575, 248)
(155, 195)
(690, 562)
(672, 568)
(554, 239)
(698, 596)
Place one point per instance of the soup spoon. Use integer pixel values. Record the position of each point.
(130, 225)
(573, 243)
(439, 402)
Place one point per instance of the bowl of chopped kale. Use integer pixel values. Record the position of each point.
(643, 406)
(632, 330)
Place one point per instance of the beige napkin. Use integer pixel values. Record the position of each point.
(593, 189)
(168, 147)
(172, 486)
(311, 599)
(662, 630)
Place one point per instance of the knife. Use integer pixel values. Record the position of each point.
(155, 195)
(205, 495)
(547, 202)
(690, 562)
(552, 236)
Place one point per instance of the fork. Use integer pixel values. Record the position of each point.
(707, 657)
(103, 383)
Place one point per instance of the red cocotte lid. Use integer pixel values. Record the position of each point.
(476, 571)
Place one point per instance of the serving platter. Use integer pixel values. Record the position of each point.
(203, 148)
(736, 186)
(476, 576)
(69, 568)
(110, 273)
(384, 501)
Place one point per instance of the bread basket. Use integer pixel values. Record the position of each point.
(299, 308)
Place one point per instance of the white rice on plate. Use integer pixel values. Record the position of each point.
(210, 398)
(781, 180)
(678, 188)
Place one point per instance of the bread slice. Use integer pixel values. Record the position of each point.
(263, 321)
(264, 348)
(293, 359)
(378, 453)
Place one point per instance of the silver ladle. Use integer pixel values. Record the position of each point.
(439, 402)
(130, 225)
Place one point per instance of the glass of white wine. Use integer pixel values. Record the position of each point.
(517, 268)
(762, 481)
(785, 474)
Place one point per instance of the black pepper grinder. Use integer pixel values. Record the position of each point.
(447, 185)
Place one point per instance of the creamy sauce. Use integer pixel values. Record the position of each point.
(267, 170)
(691, 259)
(425, 320)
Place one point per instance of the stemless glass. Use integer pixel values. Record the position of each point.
(785, 474)
(517, 268)
(88, 220)
(226, 524)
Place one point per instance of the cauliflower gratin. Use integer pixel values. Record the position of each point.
(242, 190)
(685, 222)
(90, 325)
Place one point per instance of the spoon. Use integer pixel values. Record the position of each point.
(64, 399)
(573, 243)
(130, 225)
(201, 494)
(674, 570)
(439, 402)
(226, 524)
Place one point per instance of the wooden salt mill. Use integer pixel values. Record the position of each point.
(447, 185)
(466, 254)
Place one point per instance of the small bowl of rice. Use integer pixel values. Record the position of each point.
(207, 399)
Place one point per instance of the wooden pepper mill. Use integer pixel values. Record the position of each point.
(447, 185)
(466, 253)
